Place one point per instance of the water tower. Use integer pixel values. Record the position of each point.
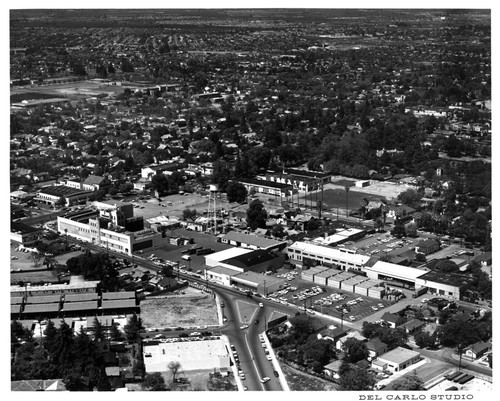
(212, 207)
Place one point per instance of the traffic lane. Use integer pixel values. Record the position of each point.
(265, 366)
(237, 338)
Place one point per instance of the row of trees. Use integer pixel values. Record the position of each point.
(60, 353)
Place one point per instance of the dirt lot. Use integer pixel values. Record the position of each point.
(192, 309)
(298, 381)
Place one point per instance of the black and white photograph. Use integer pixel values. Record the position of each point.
(251, 197)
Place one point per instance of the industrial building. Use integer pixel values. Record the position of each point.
(393, 274)
(396, 360)
(251, 241)
(300, 253)
(112, 226)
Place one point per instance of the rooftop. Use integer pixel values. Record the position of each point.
(456, 280)
(399, 355)
(254, 240)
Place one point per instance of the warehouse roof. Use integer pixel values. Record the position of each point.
(118, 295)
(36, 308)
(72, 306)
(252, 240)
(327, 252)
(43, 299)
(119, 304)
(399, 355)
(80, 297)
(396, 271)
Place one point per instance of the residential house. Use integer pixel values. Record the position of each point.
(376, 347)
(392, 319)
(332, 369)
(413, 325)
(477, 350)
(427, 246)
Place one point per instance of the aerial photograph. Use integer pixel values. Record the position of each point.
(251, 199)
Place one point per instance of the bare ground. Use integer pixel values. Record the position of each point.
(193, 309)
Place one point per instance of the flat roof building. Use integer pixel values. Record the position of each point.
(397, 359)
(252, 241)
(327, 256)
(192, 355)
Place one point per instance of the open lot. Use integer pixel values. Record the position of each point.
(335, 198)
(194, 308)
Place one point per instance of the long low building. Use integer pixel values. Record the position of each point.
(393, 274)
(192, 355)
(251, 241)
(299, 251)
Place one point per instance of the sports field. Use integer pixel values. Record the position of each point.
(336, 198)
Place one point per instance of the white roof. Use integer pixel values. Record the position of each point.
(397, 271)
(214, 258)
(328, 252)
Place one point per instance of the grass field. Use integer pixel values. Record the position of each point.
(336, 198)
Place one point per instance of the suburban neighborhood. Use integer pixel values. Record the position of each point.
(251, 200)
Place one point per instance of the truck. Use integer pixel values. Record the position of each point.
(204, 251)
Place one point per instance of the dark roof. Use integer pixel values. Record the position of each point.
(61, 190)
(80, 297)
(37, 308)
(251, 258)
(119, 304)
(43, 299)
(306, 173)
(264, 183)
(479, 346)
(391, 317)
(375, 344)
(22, 228)
(456, 280)
(427, 242)
(16, 300)
(72, 306)
(118, 295)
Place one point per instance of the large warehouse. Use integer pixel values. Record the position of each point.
(192, 355)
(344, 259)
(444, 284)
(393, 274)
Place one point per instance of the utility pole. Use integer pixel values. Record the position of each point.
(346, 201)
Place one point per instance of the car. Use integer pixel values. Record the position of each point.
(261, 305)
(352, 318)
(269, 357)
(425, 300)
(276, 373)
(265, 379)
(224, 319)
(245, 388)
(381, 305)
(256, 321)
(374, 308)
(244, 326)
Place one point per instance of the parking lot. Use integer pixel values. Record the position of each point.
(323, 299)
(381, 244)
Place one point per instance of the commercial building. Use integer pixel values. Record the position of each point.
(396, 360)
(309, 274)
(110, 226)
(300, 253)
(192, 355)
(51, 195)
(393, 274)
(251, 241)
(23, 233)
(340, 237)
(449, 284)
(268, 187)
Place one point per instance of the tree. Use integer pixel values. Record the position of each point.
(356, 379)
(154, 382)
(189, 214)
(354, 350)
(98, 330)
(236, 192)
(410, 197)
(160, 183)
(174, 367)
(399, 229)
(133, 328)
(278, 231)
(256, 215)
(115, 333)
(36, 257)
(425, 340)
(409, 382)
